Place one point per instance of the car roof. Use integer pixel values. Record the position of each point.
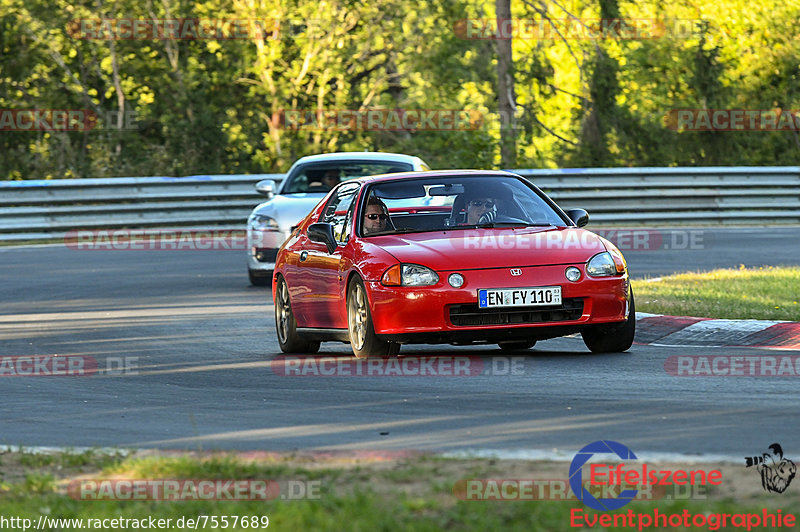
(359, 156)
(434, 174)
(353, 156)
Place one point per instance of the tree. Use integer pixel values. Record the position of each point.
(505, 87)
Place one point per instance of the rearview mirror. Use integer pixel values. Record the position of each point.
(446, 190)
(400, 191)
(323, 233)
(266, 187)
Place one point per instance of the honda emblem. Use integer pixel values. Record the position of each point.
(516, 272)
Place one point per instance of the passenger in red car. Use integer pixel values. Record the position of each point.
(478, 207)
(376, 217)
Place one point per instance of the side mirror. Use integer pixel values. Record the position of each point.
(579, 216)
(323, 233)
(266, 187)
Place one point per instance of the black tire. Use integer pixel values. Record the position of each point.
(265, 279)
(286, 326)
(363, 340)
(517, 346)
(614, 337)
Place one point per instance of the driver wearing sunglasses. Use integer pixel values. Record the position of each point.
(481, 210)
(376, 217)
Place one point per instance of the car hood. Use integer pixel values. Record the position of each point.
(289, 209)
(493, 248)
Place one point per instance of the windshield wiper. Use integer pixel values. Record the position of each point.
(512, 224)
(403, 230)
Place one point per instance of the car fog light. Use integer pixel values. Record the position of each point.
(456, 280)
(263, 223)
(573, 273)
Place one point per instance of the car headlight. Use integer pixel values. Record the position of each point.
(605, 264)
(409, 275)
(259, 222)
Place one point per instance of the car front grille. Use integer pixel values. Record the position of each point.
(470, 315)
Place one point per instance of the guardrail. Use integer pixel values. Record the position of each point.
(31, 210)
(703, 195)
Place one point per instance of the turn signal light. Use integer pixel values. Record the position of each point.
(393, 276)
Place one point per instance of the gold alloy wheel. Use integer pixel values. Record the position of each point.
(283, 311)
(357, 316)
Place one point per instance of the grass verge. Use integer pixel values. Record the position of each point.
(766, 293)
(9, 243)
(412, 493)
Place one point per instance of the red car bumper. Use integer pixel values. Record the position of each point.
(443, 313)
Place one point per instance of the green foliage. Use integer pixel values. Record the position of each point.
(213, 106)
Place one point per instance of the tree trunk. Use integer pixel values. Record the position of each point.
(505, 88)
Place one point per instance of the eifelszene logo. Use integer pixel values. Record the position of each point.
(776, 471)
(620, 475)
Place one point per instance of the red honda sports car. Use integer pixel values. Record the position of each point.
(457, 256)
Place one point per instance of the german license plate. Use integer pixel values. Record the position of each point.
(536, 296)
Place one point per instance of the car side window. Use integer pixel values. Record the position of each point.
(338, 211)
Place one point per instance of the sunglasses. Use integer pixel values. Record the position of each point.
(377, 216)
(480, 203)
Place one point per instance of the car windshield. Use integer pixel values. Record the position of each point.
(456, 202)
(322, 177)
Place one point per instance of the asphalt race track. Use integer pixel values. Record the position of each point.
(205, 371)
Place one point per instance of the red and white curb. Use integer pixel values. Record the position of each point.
(685, 331)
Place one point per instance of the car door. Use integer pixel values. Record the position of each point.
(320, 305)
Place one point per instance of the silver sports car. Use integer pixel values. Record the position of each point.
(307, 182)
